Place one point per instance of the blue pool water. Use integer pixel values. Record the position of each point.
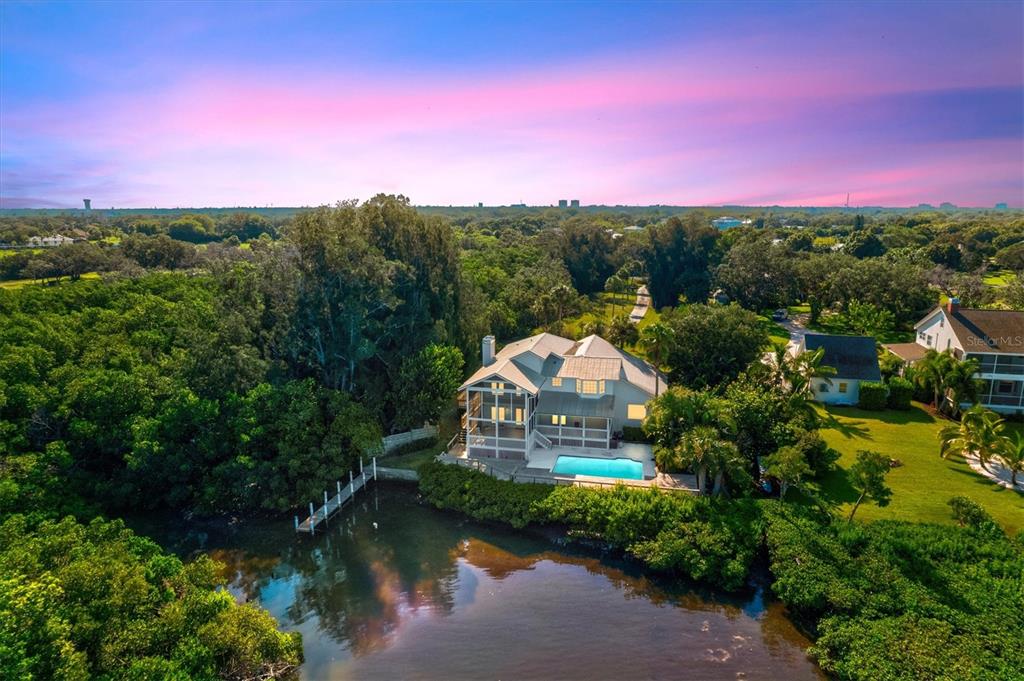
(604, 468)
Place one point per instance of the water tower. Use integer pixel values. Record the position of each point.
(88, 203)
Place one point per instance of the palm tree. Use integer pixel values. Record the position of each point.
(614, 285)
(697, 450)
(807, 366)
(655, 341)
(929, 372)
(724, 461)
(980, 431)
(1012, 456)
(779, 363)
(959, 383)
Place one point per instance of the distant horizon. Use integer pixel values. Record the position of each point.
(922, 205)
(681, 104)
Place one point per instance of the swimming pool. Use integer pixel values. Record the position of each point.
(626, 469)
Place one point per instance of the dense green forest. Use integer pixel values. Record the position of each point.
(232, 361)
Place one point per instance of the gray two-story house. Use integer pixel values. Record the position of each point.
(994, 337)
(551, 392)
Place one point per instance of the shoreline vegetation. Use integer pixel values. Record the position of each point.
(882, 600)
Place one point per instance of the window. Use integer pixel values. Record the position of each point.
(929, 340)
(556, 382)
(557, 420)
(636, 412)
(1004, 387)
(949, 342)
(519, 416)
(496, 387)
(842, 387)
(590, 387)
(497, 413)
(823, 387)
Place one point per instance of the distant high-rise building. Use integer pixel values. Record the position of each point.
(480, 205)
(575, 203)
(1002, 206)
(563, 203)
(946, 205)
(925, 206)
(88, 203)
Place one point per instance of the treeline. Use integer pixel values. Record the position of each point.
(253, 386)
(194, 227)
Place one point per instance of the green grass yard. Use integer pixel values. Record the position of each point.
(999, 278)
(447, 426)
(18, 283)
(603, 307)
(925, 482)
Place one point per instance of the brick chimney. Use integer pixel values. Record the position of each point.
(487, 350)
(953, 306)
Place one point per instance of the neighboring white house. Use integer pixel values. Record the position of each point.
(49, 241)
(994, 337)
(853, 357)
(547, 391)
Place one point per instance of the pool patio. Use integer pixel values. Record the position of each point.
(545, 459)
(538, 470)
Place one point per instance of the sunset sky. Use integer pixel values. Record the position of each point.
(192, 104)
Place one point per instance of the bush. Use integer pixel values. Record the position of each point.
(899, 600)
(901, 391)
(480, 496)
(635, 434)
(968, 513)
(414, 446)
(873, 395)
(819, 456)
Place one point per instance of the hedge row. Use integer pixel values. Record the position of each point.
(704, 539)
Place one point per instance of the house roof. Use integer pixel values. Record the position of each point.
(996, 331)
(590, 368)
(852, 356)
(592, 358)
(908, 352)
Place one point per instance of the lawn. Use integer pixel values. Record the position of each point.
(925, 482)
(446, 427)
(999, 278)
(777, 335)
(18, 283)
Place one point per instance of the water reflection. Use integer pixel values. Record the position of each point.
(395, 590)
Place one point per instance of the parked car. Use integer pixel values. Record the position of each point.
(779, 315)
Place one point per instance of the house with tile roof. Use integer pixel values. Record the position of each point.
(994, 337)
(853, 357)
(547, 392)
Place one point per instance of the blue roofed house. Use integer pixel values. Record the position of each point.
(853, 357)
(547, 393)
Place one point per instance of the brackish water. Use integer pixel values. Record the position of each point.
(425, 594)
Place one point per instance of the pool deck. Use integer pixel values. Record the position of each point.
(541, 462)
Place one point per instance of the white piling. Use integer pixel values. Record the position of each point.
(360, 465)
(338, 482)
(325, 504)
(374, 468)
(351, 484)
(296, 523)
(312, 517)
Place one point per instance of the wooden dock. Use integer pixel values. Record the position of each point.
(332, 504)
